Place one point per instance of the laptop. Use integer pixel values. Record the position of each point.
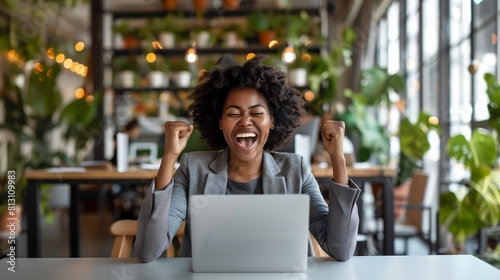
(249, 233)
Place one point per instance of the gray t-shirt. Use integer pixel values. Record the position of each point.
(252, 187)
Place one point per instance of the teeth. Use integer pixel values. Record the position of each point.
(245, 135)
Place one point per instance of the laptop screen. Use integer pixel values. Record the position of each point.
(249, 233)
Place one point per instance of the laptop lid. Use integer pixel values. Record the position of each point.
(249, 233)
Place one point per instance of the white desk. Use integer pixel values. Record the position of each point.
(459, 267)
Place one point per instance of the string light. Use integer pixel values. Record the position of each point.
(191, 55)
(288, 56)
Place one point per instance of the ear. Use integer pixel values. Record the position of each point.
(220, 124)
(272, 123)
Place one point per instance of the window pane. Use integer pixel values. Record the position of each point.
(412, 100)
(412, 57)
(430, 89)
(483, 10)
(485, 56)
(393, 36)
(460, 85)
(460, 20)
(430, 23)
(382, 43)
(411, 6)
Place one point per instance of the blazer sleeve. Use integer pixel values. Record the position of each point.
(161, 215)
(335, 226)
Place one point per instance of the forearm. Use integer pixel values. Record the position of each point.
(165, 172)
(339, 169)
(152, 226)
(335, 228)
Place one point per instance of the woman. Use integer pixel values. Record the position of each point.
(246, 112)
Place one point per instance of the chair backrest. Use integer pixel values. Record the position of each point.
(125, 231)
(416, 197)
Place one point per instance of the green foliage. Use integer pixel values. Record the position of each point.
(325, 72)
(375, 86)
(413, 144)
(376, 83)
(493, 92)
(258, 21)
(477, 205)
(478, 154)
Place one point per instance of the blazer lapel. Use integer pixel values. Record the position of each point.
(217, 180)
(272, 183)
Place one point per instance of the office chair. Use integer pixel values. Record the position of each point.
(125, 231)
(411, 224)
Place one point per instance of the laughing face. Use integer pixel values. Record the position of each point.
(245, 123)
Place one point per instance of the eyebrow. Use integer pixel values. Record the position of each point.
(249, 108)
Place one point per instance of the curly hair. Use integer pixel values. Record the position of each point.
(285, 103)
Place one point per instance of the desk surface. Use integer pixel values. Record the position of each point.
(138, 173)
(91, 174)
(461, 267)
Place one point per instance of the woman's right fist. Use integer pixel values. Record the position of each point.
(177, 134)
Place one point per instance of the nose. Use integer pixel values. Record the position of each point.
(246, 120)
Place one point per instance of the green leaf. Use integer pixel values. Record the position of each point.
(480, 150)
(43, 95)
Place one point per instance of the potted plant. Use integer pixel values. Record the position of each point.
(260, 24)
(157, 73)
(477, 204)
(180, 75)
(35, 113)
(372, 135)
(326, 70)
(126, 69)
(297, 72)
(167, 29)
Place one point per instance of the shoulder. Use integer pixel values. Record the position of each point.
(287, 160)
(200, 156)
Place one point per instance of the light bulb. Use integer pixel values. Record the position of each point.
(288, 56)
(191, 55)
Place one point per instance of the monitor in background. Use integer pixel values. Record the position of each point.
(249, 233)
(143, 152)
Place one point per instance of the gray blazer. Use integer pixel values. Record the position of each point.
(162, 212)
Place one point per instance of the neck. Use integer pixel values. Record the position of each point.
(245, 171)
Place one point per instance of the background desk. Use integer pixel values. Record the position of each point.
(37, 177)
(141, 176)
(460, 267)
(374, 174)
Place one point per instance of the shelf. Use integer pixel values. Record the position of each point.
(171, 89)
(208, 51)
(211, 13)
(149, 89)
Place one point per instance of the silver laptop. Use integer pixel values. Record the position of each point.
(249, 233)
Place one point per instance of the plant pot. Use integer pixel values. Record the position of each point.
(266, 36)
(125, 79)
(231, 39)
(167, 40)
(203, 39)
(131, 42)
(157, 79)
(297, 77)
(182, 79)
(170, 4)
(200, 5)
(231, 4)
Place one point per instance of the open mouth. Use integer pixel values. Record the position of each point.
(246, 140)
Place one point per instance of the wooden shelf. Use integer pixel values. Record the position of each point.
(210, 13)
(150, 89)
(208, 51)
